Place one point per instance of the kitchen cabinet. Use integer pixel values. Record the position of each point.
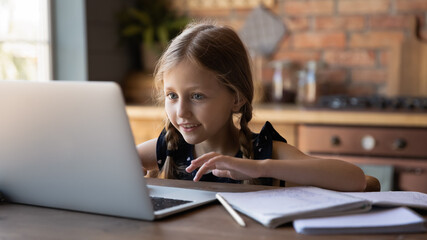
(146, 122)
(400, 149)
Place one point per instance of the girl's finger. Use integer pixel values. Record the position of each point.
(190, 168)
(198, 162)
(193, 166)
(204, 169)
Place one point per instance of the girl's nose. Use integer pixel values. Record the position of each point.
(183, 109)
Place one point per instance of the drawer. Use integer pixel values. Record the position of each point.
(371, 141)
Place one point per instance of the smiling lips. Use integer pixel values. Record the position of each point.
(189, 127)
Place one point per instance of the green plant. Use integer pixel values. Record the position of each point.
(151, 22)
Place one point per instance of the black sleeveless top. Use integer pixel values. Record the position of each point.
(262, 147)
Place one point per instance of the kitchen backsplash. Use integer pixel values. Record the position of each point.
(357, 43)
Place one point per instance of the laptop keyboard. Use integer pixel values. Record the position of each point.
(160, 203)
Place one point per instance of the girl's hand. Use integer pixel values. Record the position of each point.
(224, 166)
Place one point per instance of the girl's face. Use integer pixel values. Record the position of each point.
(197, 104)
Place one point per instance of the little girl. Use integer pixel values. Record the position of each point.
(204, 79)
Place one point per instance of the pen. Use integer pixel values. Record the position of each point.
(230, 210)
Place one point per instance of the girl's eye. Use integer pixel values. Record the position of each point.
(197, 96)
(172, 96)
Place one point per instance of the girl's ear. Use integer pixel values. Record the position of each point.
(238, 103)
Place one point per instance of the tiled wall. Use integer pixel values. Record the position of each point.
(358, 42)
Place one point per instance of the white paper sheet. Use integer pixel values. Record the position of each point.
(394, 198)
(390, 220)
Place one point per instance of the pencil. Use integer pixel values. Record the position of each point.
(230, 210)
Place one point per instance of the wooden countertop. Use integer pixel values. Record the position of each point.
(289, 114)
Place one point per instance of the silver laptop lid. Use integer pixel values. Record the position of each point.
(69, 145)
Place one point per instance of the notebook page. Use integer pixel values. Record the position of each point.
(394, 198)
(287, 200)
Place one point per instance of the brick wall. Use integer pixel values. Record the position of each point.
(355, 40)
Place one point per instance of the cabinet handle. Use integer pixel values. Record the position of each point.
(399, 144)
(368, 142)
(413, 170)
(335, 141)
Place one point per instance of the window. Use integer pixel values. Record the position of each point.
(25, 52)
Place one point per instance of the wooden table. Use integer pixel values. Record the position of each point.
(206, 222)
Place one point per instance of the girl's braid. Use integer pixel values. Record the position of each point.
(245, 134)
(172, 138)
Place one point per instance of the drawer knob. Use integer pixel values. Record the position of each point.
(399, 144)
(335, 141)
(368, 142)
(414, 171)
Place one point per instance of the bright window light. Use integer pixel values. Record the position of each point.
(25, 46)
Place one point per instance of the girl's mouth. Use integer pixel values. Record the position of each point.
(189, 127)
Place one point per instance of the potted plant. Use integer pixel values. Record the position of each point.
(150, 24)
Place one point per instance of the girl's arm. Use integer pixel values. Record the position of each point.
(288, 164)
(299, 168)
(147, 154)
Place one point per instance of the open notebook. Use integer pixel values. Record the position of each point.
(69, 145)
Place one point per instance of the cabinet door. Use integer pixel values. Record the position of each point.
(144, 130)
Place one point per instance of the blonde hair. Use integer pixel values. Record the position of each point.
(220, 50)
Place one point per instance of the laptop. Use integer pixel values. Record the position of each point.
(69, 145)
